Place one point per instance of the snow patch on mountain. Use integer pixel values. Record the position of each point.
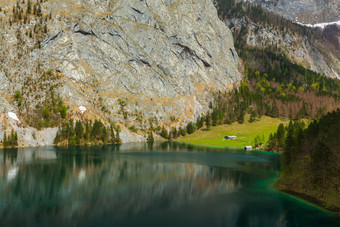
(320, 25)
(13, 116)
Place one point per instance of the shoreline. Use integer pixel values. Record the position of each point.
(311, 200)
(62, 145)
(222, 147)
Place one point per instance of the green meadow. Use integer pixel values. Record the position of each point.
(245, 133)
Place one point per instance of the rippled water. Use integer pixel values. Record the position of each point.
(138, 184)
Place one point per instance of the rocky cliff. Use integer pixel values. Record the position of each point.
(124, 61)
(322, 57)
(304, 11)
(254, 26)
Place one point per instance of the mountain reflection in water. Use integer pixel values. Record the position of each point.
(139, 184)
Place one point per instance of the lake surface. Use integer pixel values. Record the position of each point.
(167, 184)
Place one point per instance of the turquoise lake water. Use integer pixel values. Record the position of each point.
(167, 184)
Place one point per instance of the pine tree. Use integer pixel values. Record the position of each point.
(79, 130)
(15, 142)
(280, 135)
(29, 7)
(252, 116)
(174, 133)
(164, 133)
(105, 135)
(117, 135)
(63, 110)
(303, 112)
(57, 138)
(199, 122)
(271, 144)
(240, 118)
(96, 132)
(208, 121)
(150, 137)
(46, 112)
(274, 111)
(73, 140)
(183, 132)
(112, 134)
(289, 147)
(214, 117)
(321, 156)
(190, 128)
(5, 142)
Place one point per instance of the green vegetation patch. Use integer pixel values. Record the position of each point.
(246, 133)
(85, 133)
(311, 160)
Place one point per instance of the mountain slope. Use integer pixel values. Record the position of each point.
(125, 61)
(305, 11)
(253, 26)
(132, 48)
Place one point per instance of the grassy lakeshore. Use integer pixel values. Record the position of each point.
(245, 133)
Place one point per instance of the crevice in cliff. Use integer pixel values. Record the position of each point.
(86, 33)
(53, 38)
(190, 52)
(140, 61)
(136, 10)
(232, 52)
(145, 62)
(201, 45)
(164, 70)
(118, 35)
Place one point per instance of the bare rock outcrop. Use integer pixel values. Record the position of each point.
(304, 11)
(161, 57)
(129, 61)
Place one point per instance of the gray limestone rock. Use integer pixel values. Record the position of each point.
(305, 11)
(156, 55)
(161, 58)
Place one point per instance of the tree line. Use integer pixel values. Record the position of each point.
(10, 140)
(261, 94)
(87, 132)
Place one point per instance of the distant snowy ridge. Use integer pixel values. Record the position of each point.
(320, 25)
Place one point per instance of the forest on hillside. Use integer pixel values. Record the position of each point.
(273, 85)
(311, 159)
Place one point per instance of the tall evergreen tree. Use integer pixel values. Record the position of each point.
(79, 131)
(150, 137)
(208, 121)
(190, 128)
(321, 156)
(280, 135)
(289, 146)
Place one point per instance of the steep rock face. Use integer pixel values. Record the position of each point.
(160, 56)
(319, 55)
(305, 11)
(298, 48)
(126, 61)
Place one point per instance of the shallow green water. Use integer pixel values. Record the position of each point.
(136, 184)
